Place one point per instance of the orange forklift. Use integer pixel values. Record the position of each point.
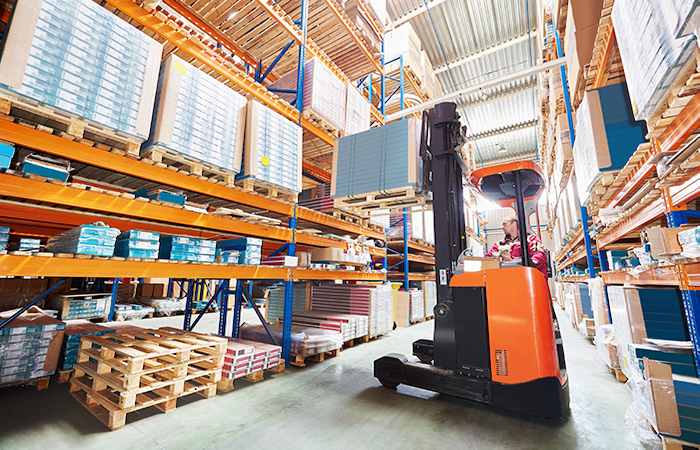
(496, 340)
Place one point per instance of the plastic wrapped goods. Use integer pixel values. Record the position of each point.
(358, 111)
(273, 148)
(77, 56)
(324, 93)
(198, 116)
(651, 54)
(86, 239)
(304, 340)
(381, 159)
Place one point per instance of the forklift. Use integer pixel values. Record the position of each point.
(496, 340)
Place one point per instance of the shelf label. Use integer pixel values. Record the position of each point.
(443, 277)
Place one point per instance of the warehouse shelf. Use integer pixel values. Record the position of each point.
(414, 276)
(665, 275)
(86, 154)
(349, 275)
(397, 244)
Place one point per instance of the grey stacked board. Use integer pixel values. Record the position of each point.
(350, 325)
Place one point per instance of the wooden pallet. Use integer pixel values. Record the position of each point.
(67, 125)
(226, 384)
(621, 377)
(40, 383)
(64, 376)
(266, 189)
(358, 340)
(413, 322)
(394, 200)
(299, 360)
(322, 123)
(177, 162)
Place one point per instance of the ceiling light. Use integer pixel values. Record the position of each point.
(502, 149)
(233, 14)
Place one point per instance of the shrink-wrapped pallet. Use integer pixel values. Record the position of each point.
(275, 300)
(651, 54)
(606, 135)
(78, 57)
(403, 41)
(324, 93)
(358, 111)
(381, 159)
(273, 148)
(197, 116)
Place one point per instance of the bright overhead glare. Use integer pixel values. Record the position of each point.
(232, 15)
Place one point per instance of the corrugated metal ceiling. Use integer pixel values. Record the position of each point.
(465, 29)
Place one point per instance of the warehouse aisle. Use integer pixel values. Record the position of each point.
(334, 404)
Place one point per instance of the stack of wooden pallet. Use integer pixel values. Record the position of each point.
(133, 370)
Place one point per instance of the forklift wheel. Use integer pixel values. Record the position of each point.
(425, 359)
(388, 384)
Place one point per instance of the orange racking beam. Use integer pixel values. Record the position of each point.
(607, 48)
(191, 15)
(312, 274)
(631, 184)
(370, 17)
(13, 186)
(321, 174)
(236, 76)
(660, 276)
(685, 124)
(343, 19)
(647, 214)
(37, 266)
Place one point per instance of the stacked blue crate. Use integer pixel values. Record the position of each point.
(664, 316)
(381, 159)
(137, 244)
(161, 195)
(85, 60)
(197, 116)
(227, 256)
(606, 134)
(250, 249)
(85, 240)
(273, 148)
(184, 248)
(586, 308)
(45, 167)
(74, 332)
(6, 154)
(687, 390)
(29, 245)
(4, 237)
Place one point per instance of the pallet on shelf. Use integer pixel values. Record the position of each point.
(267, 189)
(174, 161)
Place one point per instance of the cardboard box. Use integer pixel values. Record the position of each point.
(664, 409)
(636, 316)
(403, 309)
(664, 241)
(581, 28)
(478, 263)
(327, 254)
(35, 317)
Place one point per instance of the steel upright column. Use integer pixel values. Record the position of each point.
(223, 306)
(302, 57)
(113, 299)
(188, 305)
(289, 294)
(237, 309)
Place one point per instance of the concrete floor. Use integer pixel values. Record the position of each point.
(333, 404)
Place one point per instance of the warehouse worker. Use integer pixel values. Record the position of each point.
(509, 248)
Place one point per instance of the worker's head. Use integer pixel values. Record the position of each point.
(510, 226)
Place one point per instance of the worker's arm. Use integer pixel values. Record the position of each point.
(494, 250)
(537, 254)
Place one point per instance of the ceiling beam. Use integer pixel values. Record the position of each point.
(500, 95)
(488, 51)
(554, 64)
(518, 157)
(503, 130)
(416, 12)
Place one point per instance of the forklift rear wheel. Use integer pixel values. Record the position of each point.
(425, 359)
(388, 384)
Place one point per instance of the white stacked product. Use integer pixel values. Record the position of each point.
(77, 56)
(324, 93)
(273, 148)
(430, 297)
(304, 340)
(417, 304)
(374, 301)
(352, 326)
(275, 300)
(416, 225)
(358, 111)
(244, 357)
(198, 116)
(403, 41)
(652, 54)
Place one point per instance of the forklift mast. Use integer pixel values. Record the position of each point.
(443, 167)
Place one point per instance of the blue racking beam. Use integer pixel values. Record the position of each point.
(36, 300)
(113, 298)
(274, 63)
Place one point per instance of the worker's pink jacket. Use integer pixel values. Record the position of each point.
(535, 246)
